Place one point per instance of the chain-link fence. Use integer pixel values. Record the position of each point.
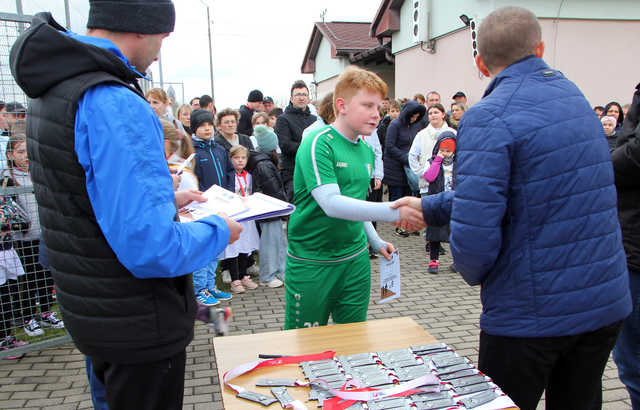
(28, 311)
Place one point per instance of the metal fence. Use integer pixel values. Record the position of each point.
(28, 311)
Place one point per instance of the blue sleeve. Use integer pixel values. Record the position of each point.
(119, 143)
(436, 209)
(480, 201)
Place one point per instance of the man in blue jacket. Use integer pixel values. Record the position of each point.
(534, 222)
(120, 260)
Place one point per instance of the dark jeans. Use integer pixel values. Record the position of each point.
(434, 250)
(569, 368)
(398, 191)
(147, 386)
(627, 351)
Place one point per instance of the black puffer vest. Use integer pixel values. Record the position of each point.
(109, 313)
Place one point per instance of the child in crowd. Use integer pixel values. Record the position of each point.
(187, 180)
(237, 254)
(609, 125)
(212, 167)
(11, 220)
(273, 116)
(440, 176)
(263, 165)
(38, 280)
(259, 118)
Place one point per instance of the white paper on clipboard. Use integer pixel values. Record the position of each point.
(390, 278)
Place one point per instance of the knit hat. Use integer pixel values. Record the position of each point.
(267, 139)
(449, 142)
(132, 16)
(199, 117)
(609, 118)
(255, 96)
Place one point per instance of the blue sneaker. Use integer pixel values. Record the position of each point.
(220, 295)
(205, 298)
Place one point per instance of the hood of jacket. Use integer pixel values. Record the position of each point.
(47, 54)
(410, 108)
(445, 135)
(256, 157)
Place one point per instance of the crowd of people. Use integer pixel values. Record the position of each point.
(511, 194)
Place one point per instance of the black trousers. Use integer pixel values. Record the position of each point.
(37, 280)
(569, 368)
(155, 385)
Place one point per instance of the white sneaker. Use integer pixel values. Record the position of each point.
(274, 283)
(226, 276)
(32, 328)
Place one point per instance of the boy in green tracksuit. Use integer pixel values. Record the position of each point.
(328, 270)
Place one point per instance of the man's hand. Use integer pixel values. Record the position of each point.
(411, 218)
(235, 228)
(377, 184)
(184, 198)
(387, 250)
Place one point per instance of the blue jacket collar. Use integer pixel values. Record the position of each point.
(523, 66)
(107, 45)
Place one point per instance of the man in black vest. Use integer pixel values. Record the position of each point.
(120, 260)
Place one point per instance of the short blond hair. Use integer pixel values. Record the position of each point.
(354, 79)
(237, 150)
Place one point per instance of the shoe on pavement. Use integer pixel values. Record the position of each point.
(206, 299)
(402, 233)
(236, 287)
(248, 283)
(226, 276)
(50, 320)
(274, 283)
(433, 267)
(220, 295)
(32, 328)
(10, 342)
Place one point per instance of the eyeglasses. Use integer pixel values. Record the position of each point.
(300, 95)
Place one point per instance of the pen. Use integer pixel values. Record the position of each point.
(184, 164)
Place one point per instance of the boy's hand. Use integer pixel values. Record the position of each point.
(377, 184)
(235, 228)
(387, 250)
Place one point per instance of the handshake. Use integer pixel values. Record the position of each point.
(411, 218)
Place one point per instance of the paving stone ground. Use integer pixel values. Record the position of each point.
(442, 304)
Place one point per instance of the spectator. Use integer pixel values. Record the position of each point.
(626, 168)
(460, 97)
(609, 125)
(420, 98)
(598, 109)
(206, 103)
(384, 106)
(326, 115)
(273, 117)
(625, 109)
(184, 116)
(106, 202)
(394, 112)
(614, 109)
(267, 104)
(433, 97)
(212, 163)
(253, 105)
(457, 109)
(555, 286)
(159, 101)
(259, 118)
(195, 103)
(263, 166)
(400, 135)
(227, 135)
(289, 128)
(13, 112)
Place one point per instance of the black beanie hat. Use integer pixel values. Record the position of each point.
(255, 96)
(132, 16)
(199, 117)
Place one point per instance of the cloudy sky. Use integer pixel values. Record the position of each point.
(256, 44)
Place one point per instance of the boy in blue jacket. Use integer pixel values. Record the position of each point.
(212, 167)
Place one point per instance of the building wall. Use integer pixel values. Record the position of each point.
(326, 66)
(444, 15)
(583, 50)
(387, 73)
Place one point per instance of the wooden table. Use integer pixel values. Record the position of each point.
(371, 336)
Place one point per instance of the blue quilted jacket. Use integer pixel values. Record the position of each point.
(533, 217)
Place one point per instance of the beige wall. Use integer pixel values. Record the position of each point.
(327, 86)
(598, 55)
